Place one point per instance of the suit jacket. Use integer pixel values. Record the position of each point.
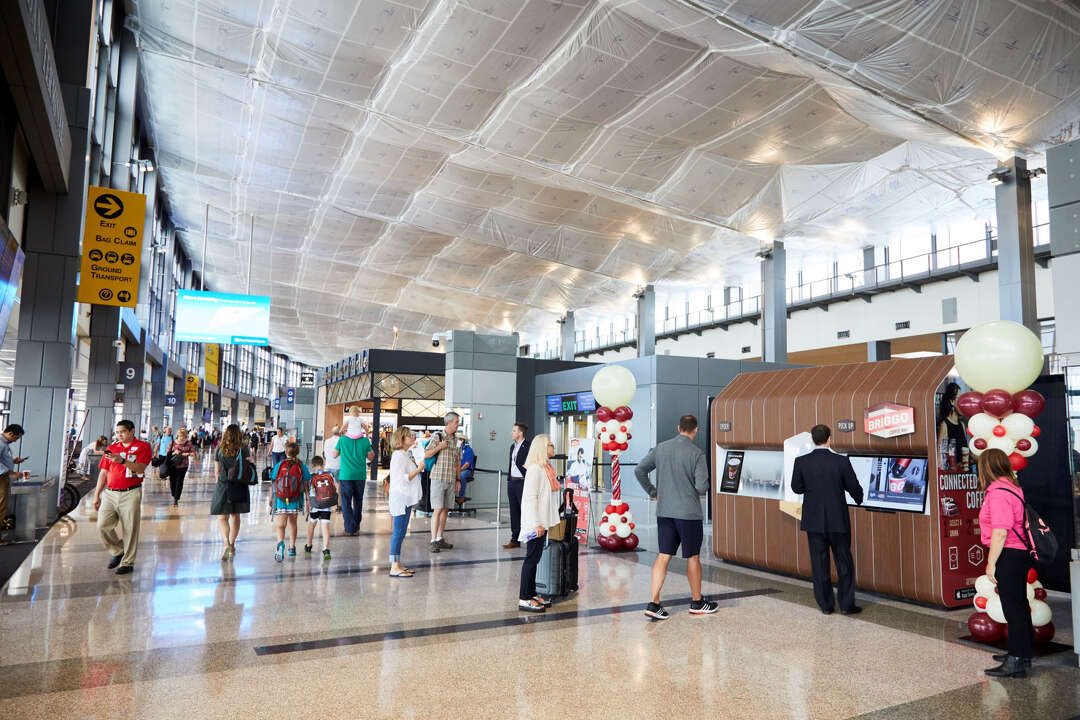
(822, 477)
(519, 460)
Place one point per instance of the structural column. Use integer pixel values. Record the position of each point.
(1016, 246)
(45, 350)
(158, 377)
(646, 322)
(774, 304)
(567, 336)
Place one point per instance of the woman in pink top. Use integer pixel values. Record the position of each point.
(1001, 521)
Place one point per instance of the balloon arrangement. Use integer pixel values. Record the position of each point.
(987, 624)
(999, 420)
(998, 360)
(614, 387)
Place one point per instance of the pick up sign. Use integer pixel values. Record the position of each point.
(887, 420)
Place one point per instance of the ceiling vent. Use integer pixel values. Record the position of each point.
(906, 325)
(841, 334)
(746, 349)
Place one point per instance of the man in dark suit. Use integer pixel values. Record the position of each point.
(515, 480)
(822, 476)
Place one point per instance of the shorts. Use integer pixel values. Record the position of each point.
(671, 532)
(319, 515)
(288, 507)
(442, 496)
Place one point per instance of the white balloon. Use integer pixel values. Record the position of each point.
(1040, 613)
(622, 530)
(982, 424)
(984, 585)
(1018, 426)
(1031, 450)
(993, 608)
(1000, 354)
(1004, 444)
(613, 519)
(620, 437)
(614, 385)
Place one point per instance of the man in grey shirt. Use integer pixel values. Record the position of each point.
(682, 476)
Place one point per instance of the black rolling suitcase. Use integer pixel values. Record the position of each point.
(557, 573)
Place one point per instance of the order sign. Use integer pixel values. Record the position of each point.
(112, 247)
(889, 420)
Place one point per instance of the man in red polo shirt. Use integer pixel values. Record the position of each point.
(118, 497)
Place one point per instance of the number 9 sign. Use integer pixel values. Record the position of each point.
(131, 374)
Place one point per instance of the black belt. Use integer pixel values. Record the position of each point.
(133, 487)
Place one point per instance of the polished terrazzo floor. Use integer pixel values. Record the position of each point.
(188, 636)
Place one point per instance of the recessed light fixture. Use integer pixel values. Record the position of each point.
(999, 176)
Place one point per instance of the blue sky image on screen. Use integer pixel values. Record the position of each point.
(210, 317)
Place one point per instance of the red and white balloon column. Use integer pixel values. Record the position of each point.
(999, 360)
(613, 388)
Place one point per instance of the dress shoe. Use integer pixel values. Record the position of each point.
(1011, 667)
(511, 545)
(853, 611)
(1002, 657)
(125, 570)
(115, 561)
(827, 612)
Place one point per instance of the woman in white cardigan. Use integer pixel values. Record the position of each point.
(403, 486)
(538, 513)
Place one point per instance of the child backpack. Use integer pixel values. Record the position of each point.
(290, 478)
(324, 491)
(1037, 536)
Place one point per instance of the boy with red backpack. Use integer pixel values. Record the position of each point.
(291, 480)
(322, 498)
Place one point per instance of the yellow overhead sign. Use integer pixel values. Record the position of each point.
(112, 247)
(212, 363)
(191, 389)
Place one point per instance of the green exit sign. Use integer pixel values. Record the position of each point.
(570, 405)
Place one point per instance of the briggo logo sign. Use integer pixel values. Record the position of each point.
(889, 420)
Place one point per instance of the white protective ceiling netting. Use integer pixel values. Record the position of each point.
(489, 164)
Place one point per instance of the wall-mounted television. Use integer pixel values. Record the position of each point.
(212, 317)
(891, 483)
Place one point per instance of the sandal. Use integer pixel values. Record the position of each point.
(531, 606)
(542, 601)
(402, 574)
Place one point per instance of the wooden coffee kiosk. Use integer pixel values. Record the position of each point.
(922, 540)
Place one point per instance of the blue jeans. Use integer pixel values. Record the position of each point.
(278, 457)
(401, 526)
(352, 503)
(465, 480)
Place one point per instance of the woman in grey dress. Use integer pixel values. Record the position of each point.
(231, 499)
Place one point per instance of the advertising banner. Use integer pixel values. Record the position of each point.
(191, 388)
(579, 478)
(11, 266)
(888, 420)
(963, 557)
(112, 247)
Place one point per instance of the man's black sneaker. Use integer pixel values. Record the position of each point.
(307, 549)
(656, 612)
(125, 570)
(703, 607)
(115, 561)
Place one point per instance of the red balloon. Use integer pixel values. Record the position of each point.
(1043, 633)
(1040, 593)
(969, 404)
(1023, 445)
(603, 519)
(630, 541)
(622, 507)
(1018, 461)
(609, 509)
(980, 601)
(969, 432)
(1028, 402)
(984, 628)
(611, 528)
(604, 541)
(611, 436)
(623, 413)
(1044, 592)
(979, 444)
(623, 446)
(1036, 432)
(628, 436)
(999, 430)
(1033, 575)
(998, 403)
(623, 519)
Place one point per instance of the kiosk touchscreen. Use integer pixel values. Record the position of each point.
(891, 483)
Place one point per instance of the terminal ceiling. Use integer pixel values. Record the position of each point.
(489, 164)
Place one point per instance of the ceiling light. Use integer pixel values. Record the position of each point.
(1036, 173)
(999, 176)
(763, 254)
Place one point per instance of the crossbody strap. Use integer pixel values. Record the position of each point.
(1023, 503)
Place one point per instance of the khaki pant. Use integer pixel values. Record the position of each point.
(123, 509)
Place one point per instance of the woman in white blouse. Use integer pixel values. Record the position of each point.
(404, 493)
(538, 513)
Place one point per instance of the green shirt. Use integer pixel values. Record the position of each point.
(353, 458)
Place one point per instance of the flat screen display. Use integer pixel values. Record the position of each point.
(891, 483)
(211, 317)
